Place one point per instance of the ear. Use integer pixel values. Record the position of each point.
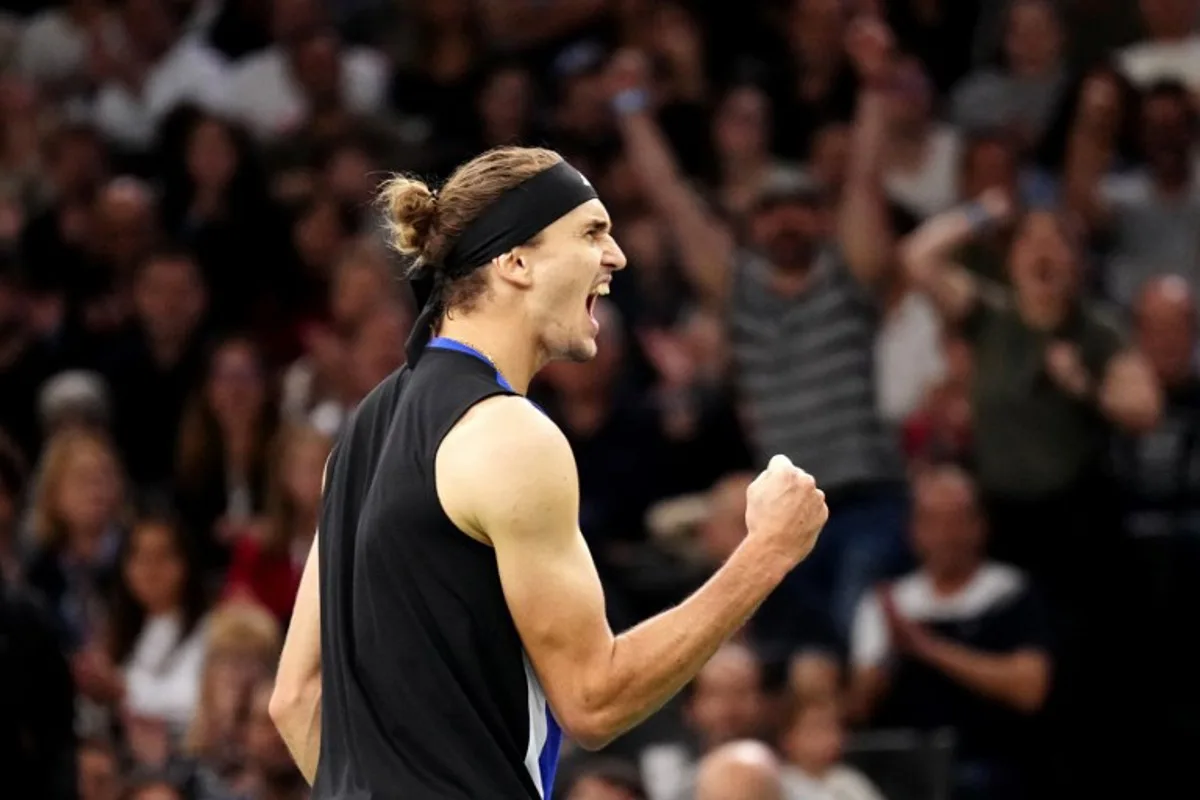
(513, 268)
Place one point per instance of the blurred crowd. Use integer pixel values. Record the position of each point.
(942, 253)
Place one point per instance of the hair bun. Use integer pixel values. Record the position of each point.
(410, 208)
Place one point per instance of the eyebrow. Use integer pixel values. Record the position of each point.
(597, 226)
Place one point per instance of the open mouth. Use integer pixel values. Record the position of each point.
(593, 296)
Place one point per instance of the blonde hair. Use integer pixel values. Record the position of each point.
(236, 627)
(424, 225)
(46, 522)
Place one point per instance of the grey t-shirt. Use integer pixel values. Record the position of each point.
(806, 372)
(991, 99)
(1149, 234)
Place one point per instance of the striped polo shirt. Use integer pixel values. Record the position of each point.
(805, 372)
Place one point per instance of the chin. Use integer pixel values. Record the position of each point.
(581, 351)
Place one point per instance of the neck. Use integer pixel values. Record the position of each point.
(739, 168)
(1043, 317)
(166, 350)
(512, 349)
(1033, 71)
(949, 580)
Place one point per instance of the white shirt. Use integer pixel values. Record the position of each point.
(268, 100)
(915, 598)
(53, 48)
(1145, 63)
(933, 186)
(189, 72)
(162, 674)
(840, 783)
(908, 357)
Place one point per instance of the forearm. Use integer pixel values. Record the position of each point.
(650, 663)
(296, 701)
(929, 247)
(299, 723)
(701, 240)
(864, 227)
(1017, 680)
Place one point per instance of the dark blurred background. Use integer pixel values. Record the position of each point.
(942, 253)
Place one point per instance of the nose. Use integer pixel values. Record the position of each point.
(614, 257)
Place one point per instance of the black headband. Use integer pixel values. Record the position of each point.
(510, 221)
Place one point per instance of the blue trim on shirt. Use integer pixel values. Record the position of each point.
(548, 758)
(445, 343)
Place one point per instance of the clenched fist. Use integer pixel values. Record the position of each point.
(785, 508)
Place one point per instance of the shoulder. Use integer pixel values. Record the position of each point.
(505, 430)
(1130, 187)
(502, 462)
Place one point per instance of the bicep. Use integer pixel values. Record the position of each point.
(557, 604)
(510, 478)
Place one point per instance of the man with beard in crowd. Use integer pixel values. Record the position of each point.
(802, 312)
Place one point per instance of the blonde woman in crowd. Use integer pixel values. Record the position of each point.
(243, 642)
(75, 526)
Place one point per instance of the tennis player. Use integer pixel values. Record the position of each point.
(450, 626)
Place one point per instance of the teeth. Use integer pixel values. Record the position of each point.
(602, 289)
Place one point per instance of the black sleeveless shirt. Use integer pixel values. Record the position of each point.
(426, 688)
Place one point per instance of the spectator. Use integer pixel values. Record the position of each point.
(1157, 472)
(605, 780)
(25, 363)
(215, 202)
(57, 47)
(75, 398)
(745, 167)
(99, 771)
(740, 770)
(820, 82)
(940, 430)
(154, 363)
(267, 567)
(158, 69)
(121, 235)
(435, 93)
(725, 702)
(812, 741)
(242, 649)
(272, 91)
(75, 522)
(151, 667)
(361, 283)
(923, 156)
(377, 349)
(781, 297)
(1149, 213)
(37, 740)
(1161, 485)
(961, 642)
(270, 772)
(1171, 50)
(789, 624)
(1037, 447)
(223, 444)
(1019, 97)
